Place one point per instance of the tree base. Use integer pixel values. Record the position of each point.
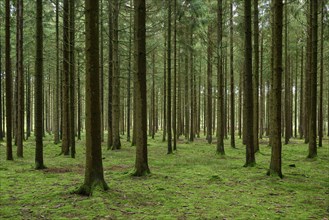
(138, 173)
(40, 166)
(87, 189)
(274, 173)
(250, 164)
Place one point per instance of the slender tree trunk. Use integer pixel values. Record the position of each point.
(141, 164)
(110, 77)
(209, 86)
(153, 118)
(232, 79)
(262, 92)
(28, 102)
(79, 99)
(286, 79)
(1, 93)
(101, 68)
(175, 79)
(164, 125)
(192, 94)
(313, 83)
(65, 83)
(116, 80)
(39, 89)
(301, 103)
(256, 77)
(169, 141)
(220, 79)
(57, 94)
(275, 136)
(72, 79)
(321, 78)
(307, 82)
(248, 90)
(20, 78)
(129, 76)
(9, 152)
(296, 95)
(240, 104)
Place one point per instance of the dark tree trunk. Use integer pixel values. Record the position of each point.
(129, 76)
(313, 80)
(116, 80)
(275, 105)
(141, 164)
(57, 93)
(301, 103)
(66, 81)
(256, 77)
(94, 166)
(28, 102)
(175, 79)
(1, 93)
(248, 90)
(39, 89)
(110, 77)
(9, 152)
(232, 79)
(72, 79)
(321, 78)
(209, 86)
(169, 140)
(220, 79)
(79, 99)
(164, 125)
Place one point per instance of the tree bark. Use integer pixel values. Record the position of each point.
(116, 80)
(321, 78)
(141, 164)
(110, 77)
(169, 138)
(94, 166)
(256, 78)
(232, 79)
(313, 83)
(39, 89)
(220, 79)
(57, 93)
(209, 86)
(9, 150)
(248, 90)
(275, 105)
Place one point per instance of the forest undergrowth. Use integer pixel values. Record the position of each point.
(192, 183)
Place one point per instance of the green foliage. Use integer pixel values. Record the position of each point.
(193, 183)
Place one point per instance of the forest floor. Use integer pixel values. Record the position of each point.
(192, 183)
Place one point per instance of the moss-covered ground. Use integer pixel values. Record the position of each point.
(192, 183)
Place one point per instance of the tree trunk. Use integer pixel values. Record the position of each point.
(312, 150)
(164, 125)
(248, 90)
(262, 91)
(209, 86)
(321, 79)
(1, 94)
(232, 79)
(94, 167)
(301, 103)
(129, 76)
(169, 140)
(175, 79)
(39, 89)
(72, 79)
(57, 94)
(256, 77)
(110, 77)
(220, 79)
(116, 80)
(275, 105)
(141, 164)
(9, 151)
(66, 78)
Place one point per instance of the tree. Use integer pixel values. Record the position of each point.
(116, 80)
(321, 78)
(72, 78)
(248, 94)
(141, 164)
(256, 77)
(232, 77)
(66, 80)
(209, 86)
(56, 99)
(312, 147)
(110, 64)
(39, 89)
(9, 152)
(275, 105)
(220, 79)
(94, 166)
(1, 128)
(169, 140)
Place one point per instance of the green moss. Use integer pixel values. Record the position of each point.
(192, 183)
